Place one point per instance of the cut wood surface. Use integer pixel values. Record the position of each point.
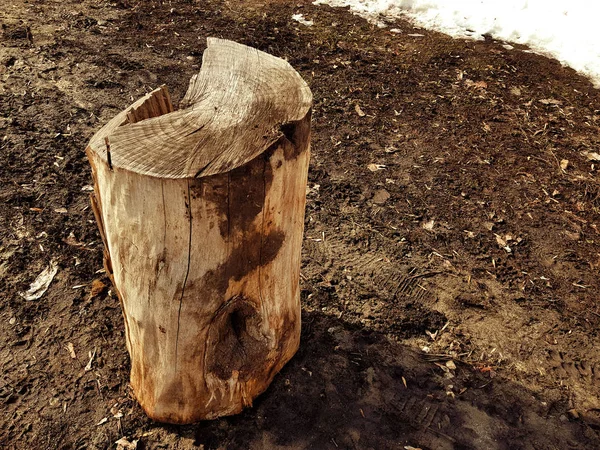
(201, 211)
(229, 115)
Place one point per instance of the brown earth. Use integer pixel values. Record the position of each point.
(450, 294)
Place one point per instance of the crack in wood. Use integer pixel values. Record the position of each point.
(162, 187)
(187, 272)
(108, 160)
(228, 210)
(195, 131)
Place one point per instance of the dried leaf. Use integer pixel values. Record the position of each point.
(312, 190)
(433, 336)
(359, 111)
(71, 349)
(550, 101)
(592, 156)
(97, 288)
(475, 84)
(125, 444)
(41, 283)
(88, 366)
(428, 225)
(102, 422)
(375, 167)
(72, 240)
(501, 242)
(381, 196)
(450, 365)
(564, 164)
(574, 236)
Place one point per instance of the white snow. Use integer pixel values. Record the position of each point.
(565, 30)
(300, 19)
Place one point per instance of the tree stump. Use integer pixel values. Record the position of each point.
(201, 211)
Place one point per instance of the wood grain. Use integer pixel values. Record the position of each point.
(233, 111)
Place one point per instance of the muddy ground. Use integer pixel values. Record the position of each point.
(450, 266)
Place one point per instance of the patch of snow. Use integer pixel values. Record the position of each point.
(300, 19)
(563, 30)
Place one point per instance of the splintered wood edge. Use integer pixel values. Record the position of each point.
(233, 111)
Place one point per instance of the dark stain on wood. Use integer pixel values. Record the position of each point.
(247, 256)
(239, 344)
(297, 135)
(246, 195)
(239, 196)
(271, 244)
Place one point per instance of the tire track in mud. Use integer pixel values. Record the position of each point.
(369, 286)
(580, 371)
(369, 269)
